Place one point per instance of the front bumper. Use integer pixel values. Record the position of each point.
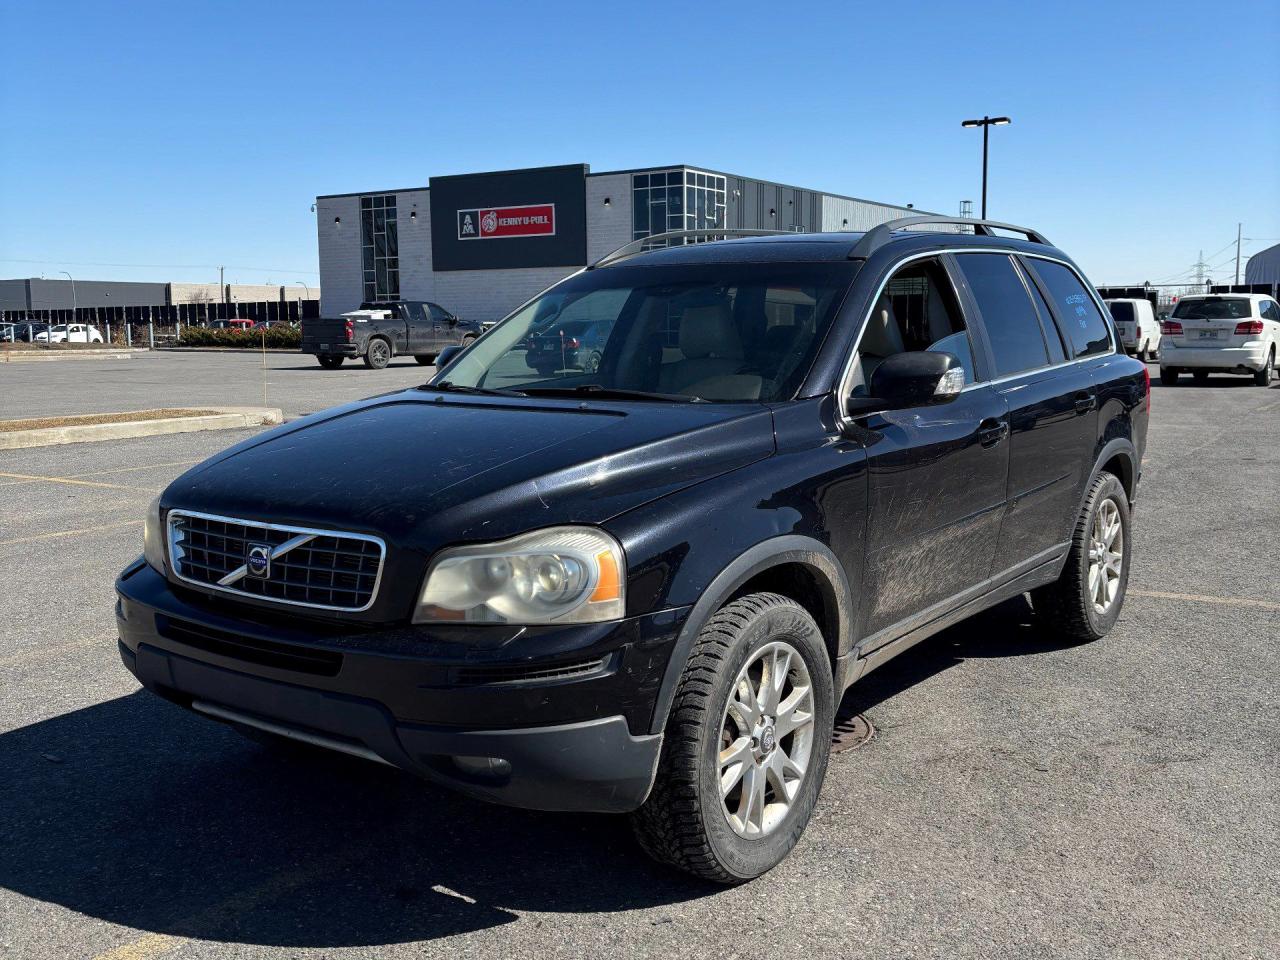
(1251, 356)
(571, 736)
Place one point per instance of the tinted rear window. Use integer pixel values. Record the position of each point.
(1121, 312)
(1083, 322)
(1213, 308)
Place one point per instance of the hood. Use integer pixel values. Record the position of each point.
(423, 469)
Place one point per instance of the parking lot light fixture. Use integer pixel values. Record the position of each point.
(986, 123)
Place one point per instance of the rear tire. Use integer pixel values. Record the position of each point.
(1201, 377)
(1169, 376)
(727, 724)
(1077, 606)
(330, 363)
(1262, 378)
(377, 354)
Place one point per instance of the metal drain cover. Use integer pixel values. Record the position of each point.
(851, 733)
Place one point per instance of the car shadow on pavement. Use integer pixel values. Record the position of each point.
(1009, 629)
(135, 812)
(138, 813)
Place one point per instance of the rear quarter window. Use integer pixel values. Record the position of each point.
(1082, 322)
(1121, 312)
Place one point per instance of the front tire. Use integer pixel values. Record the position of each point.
(746, 744)
(1084, 603)
(377, 354)
(1262, 378)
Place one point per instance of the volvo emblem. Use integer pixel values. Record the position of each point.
(258, 560)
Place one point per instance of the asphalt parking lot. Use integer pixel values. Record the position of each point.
(1019, 799)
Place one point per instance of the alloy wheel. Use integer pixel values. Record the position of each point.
(1106, 556)
(766, 740)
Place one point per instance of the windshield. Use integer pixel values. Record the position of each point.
(710, 331)
(1121, 312)
(1213, 308)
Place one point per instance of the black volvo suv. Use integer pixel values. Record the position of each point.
(643, 588)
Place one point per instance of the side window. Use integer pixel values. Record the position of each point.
(917, 311)
(438, 313)
(1058, 351)
(1272, 310)
(1013, 329)
(1082, 324)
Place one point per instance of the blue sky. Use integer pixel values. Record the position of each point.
(166, 139)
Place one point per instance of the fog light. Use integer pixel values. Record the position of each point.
(492, 768)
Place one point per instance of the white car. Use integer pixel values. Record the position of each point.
(1221, 333)
(1136, 323)
(80, 333)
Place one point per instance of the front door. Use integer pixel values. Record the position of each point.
(442, 326)
(936, 475)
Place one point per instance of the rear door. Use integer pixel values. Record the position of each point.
(1122, 312)
(1052, 408)
(442, 326)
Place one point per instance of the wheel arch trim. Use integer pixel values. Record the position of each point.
(768, 554)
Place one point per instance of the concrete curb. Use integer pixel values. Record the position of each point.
(41, 356)
(227, 350)
(226, 418)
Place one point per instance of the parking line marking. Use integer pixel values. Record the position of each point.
(70, 533)
(32, 478)
(146, 466)
(1199, 598)
(152, 945)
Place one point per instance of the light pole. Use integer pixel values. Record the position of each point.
(986, 123)
(73, 310)
(308, 293)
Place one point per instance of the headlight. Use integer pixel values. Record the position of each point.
(153, 537)
(557, 575)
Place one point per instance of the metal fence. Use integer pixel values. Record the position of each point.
(156, 324)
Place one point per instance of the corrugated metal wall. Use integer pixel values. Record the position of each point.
(750, 202)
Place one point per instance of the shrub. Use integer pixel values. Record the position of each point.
(281, 338)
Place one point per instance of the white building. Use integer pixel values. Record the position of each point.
(481, 244)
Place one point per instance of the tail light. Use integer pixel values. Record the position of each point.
(572, 343)
(1248, 328)
(351, 331)
(1171, 326)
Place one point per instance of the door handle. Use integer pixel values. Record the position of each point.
(992, 431)
(1085, 402)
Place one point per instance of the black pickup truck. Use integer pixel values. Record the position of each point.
(381, 330)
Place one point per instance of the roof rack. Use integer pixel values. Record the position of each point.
(877, 237)
(637, 246)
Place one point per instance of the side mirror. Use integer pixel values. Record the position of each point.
(447, 355)
(920, 378)
(453, 321)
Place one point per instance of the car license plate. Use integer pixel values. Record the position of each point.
(324, 348)
(1208, 334)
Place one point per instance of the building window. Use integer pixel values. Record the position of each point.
(676, 200)
(380, 248)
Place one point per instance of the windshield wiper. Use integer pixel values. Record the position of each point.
(447, 386)
(610, 393)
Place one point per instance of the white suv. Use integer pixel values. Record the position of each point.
(80, 333)
(1137, 325)
(1221, 333)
